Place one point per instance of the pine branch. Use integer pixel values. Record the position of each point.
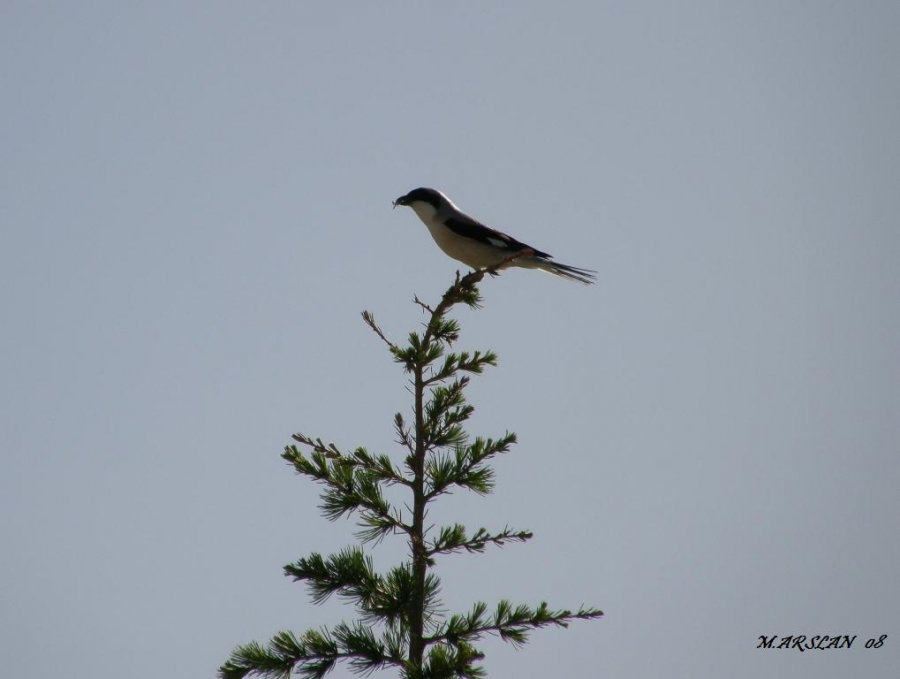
(379, 466)
(349, 574)
(444, 413)
(463, 361)
(510, 623)
(453, 660)
(420, 353)
(352, 484)
(466, 467)
(370, 321)
(453, 539)
(314, 653)
(404, 437)
(422, 304)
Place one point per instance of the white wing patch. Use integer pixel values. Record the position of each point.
(497, 243)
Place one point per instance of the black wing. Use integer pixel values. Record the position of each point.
(470, 228)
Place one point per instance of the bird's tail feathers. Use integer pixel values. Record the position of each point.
(572, 273)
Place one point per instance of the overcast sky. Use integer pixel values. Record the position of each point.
(195, 204)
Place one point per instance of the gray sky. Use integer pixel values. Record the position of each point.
(195, 206)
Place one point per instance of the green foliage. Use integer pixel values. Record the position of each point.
(401, 622)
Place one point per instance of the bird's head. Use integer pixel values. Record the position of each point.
(421, 195)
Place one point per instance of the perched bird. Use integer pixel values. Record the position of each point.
(471, 242)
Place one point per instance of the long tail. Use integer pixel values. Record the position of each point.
(572, 273)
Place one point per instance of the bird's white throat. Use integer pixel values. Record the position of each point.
(425, 211)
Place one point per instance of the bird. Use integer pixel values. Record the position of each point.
(467, 240)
